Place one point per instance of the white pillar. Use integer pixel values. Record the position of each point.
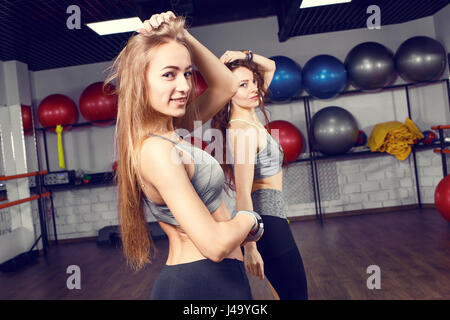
(17, 91)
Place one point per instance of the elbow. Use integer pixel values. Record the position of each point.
(273, 65)
(219, 244)
(215, 254)
(233, 87)
(217, 250)
(217, 257)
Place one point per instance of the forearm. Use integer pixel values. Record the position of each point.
(244, 202)
(233, 232)
(266, 65)
(215, 73)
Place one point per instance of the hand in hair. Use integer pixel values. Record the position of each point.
(230, 56)
(156, 20)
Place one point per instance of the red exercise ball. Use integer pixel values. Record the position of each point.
(362, 139)
(27, 120)
(200, 84)
(98, 105)
(428, 137)
(290, 139)
(57, 109)
(442, 198)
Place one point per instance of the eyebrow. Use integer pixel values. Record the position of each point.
(176, 68)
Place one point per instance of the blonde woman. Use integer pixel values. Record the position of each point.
(181, 184)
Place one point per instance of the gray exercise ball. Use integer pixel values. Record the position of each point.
(420, 59)
(334, 130)
(370, 66)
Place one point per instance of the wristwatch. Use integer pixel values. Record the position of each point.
(248, 55)
(259, 225)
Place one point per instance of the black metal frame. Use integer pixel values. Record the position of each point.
(314, 158)
(442, 146)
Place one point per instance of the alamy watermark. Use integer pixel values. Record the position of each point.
(374, 281)
(374, 21)
(238, 142)
(74, 280)
(74, 20)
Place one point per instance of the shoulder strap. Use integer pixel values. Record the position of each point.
(177, 145)
(251, 123)
(155, 135)
(246, 121)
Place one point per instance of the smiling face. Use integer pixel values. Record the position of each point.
(169, 79)
(247, 95)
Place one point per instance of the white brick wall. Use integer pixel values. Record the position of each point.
(379, 182)
(82, 213)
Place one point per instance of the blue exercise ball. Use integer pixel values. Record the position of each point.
(324, 76)
(286, 81)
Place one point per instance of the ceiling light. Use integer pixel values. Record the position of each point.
(316, 3)
(116, 26)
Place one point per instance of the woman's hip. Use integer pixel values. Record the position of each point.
(269, 202)
(203, 279)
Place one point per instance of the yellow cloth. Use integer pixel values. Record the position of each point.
(394, 138)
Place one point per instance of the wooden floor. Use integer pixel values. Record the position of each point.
(412, 249)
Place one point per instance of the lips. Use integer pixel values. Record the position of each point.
(254, 98)
(179, 101)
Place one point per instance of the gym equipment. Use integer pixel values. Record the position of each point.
(420, 59)
(324, 76)
(334, 130)
(370, 66)
(290, 139)
(362, 138)
(442, 198)
(99, 105)
(286, 81)
(27, 120)
(428, 137)
(200, 84)
(442, 146)
(58, 110)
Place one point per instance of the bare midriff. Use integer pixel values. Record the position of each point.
(181, 247)
(273, 182)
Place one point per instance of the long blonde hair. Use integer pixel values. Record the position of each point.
(135, 120)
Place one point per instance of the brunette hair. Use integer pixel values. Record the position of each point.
(135, 120)
(221, 119)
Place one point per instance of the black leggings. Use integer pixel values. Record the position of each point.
(203, 280)
(283, 265)
(287, 275)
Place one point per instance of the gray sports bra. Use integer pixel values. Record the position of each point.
(269, 160)
(208, 180)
